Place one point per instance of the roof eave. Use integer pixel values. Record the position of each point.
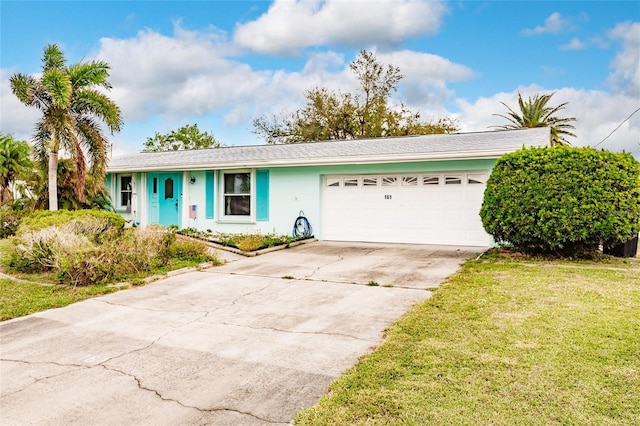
(328, 161)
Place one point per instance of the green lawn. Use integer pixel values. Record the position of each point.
(504, 342)
(18, 299)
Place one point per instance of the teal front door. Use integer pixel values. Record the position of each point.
(165, 198)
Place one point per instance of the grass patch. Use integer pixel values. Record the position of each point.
(18, 299)
(504, 342)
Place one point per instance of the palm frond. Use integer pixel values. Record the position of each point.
(57, 85)
(534, 112)
(87, 74)
(92, 102)
(52, 58)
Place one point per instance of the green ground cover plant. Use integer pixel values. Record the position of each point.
(509, 340)
(247, 242)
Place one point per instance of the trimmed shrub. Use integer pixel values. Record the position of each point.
(564, 200)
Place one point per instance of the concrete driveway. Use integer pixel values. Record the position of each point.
(250, 342)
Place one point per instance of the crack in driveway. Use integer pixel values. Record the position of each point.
(182, 404)
(296, 332)
(340, 259)
(77, 368)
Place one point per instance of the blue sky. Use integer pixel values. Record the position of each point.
(221, 63)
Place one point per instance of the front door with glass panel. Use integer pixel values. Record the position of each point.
(165, 191)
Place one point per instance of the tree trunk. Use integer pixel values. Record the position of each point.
(53, 180)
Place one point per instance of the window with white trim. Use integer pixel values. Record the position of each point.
(237, 194)
(126, 190)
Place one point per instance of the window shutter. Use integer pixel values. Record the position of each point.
(262, 195)
(209, 200)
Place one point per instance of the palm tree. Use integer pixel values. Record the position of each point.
(14, 161)
(72, 107)
(535, 113)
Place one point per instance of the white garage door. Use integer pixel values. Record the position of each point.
(424, 208)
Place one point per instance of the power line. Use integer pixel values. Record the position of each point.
(623, 121)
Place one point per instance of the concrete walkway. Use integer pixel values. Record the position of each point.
(251, 342)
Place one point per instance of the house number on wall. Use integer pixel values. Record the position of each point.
(387, 197)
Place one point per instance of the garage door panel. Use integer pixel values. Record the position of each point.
(409, 213)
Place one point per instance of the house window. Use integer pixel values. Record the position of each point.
(237, 194)
(126, 189)
(333, 181)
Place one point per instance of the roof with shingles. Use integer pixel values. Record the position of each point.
(491, 144)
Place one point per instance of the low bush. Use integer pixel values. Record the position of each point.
(192, 250)
(9, 221)
(249, 242)
(562, 200)
(72, 251)
(42, 250)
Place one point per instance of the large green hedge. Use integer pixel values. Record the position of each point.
(563, 199)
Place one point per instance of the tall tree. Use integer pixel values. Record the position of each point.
(186, 137)
(367, 113)
(534, 112)
(73, 105)
(14, 163)
(36, 185)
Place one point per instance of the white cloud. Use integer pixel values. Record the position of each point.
(552, 25)
(290, 25)
(626, 65)
(574, 44)
(15, 117)
(598, 113)
(424, 86)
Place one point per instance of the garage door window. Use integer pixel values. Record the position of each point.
(429, 180)
(370, 181)
(389, 180)
(351, 181)
(476, 179)
(409, 180)
(453, 180)
(333, 181)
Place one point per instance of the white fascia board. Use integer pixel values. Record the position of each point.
(327, 161)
